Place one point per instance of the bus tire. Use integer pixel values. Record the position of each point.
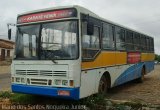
(141, 79)
(103, 86)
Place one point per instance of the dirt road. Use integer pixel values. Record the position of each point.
(5, 69)
(5, 81)
(148, 91)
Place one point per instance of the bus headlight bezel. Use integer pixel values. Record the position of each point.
(58, 82)
(65, 82)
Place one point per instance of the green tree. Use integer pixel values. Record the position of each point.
(157, 58)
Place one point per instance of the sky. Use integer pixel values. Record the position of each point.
(141, 15)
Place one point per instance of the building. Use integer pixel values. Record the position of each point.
(6, 49)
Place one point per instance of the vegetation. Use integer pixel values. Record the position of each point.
(90, 103)
(157, 58)
(5, 94)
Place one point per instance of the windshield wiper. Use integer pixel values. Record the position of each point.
(45, 55)
(53, 61)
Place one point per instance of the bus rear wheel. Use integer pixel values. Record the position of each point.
(141, 79)
(102, 89)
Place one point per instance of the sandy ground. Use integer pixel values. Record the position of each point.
(5, 69)
(148, 91)
(5, 80)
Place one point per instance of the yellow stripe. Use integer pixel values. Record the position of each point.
(108, 58)
(147, 56)
(111, 58)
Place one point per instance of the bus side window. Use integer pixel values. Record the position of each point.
(107, 37)
(90, 43)
(129, 40)
(120, 38)
(147, 44)
(136, 41)
(143, 43)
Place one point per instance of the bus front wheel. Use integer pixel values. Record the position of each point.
(102, 89)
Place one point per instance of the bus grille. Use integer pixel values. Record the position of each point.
(39, 81)
(41, 73)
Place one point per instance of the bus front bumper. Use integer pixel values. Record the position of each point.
(46, 91)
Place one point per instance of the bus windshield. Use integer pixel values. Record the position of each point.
(55, 40)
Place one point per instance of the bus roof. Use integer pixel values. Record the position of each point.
(81, 10)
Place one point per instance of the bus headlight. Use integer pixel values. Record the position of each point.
(49, 82)
(71, 83)
(12, 79)
(22, 80)
(65, 82)
(17, 79)
(28, 81)
(57, 82)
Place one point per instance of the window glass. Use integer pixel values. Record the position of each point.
(120, 38)
(59, 40)
(136, 40)
(152, 45)
(26, 46)
(143, 43)
(147, 43)
(129, 40)
(90, 43)
(107, 37)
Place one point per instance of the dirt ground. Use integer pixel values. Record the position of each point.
(5, 69)
(148, 91)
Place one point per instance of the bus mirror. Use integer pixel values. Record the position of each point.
(90, 28)
(9, 34)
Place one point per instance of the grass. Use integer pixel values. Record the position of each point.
(93, 102)
(5, 94)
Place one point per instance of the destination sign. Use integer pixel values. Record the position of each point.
(49, 15)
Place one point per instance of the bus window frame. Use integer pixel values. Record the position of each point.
(113, 33)
(96, 23)
(39, 40)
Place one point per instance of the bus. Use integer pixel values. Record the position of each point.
(71, 53)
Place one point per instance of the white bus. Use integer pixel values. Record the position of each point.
(70, 52)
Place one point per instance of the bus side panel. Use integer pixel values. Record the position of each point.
(88, 82)
(149, 66)
(119, 75)
(147, 57)
(131, 73)
(104, 59)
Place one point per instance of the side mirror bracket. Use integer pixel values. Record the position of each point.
(9, 34)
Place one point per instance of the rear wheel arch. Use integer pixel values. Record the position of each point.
(108, 78)
(104, 83)
(144, 68)
(143, 72)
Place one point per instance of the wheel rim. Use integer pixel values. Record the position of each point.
(102, 86)
(142, 74)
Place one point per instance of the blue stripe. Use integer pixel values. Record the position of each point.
(134, 72)
(149, 66)
(47, 91)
